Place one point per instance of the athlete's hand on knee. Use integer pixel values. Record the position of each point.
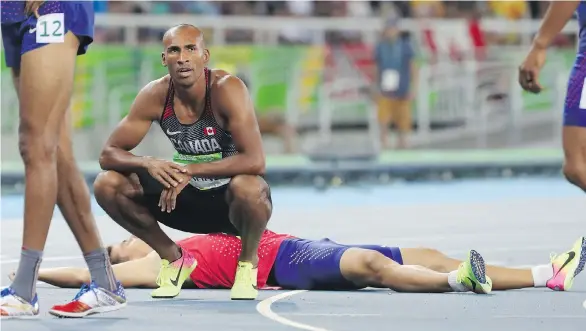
(168, 199)
(168, 173)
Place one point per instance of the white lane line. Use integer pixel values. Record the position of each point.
(541, 316)
(46, 259)
(332, 314)
(264, 308)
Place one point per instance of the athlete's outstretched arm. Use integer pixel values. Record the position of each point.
(557, 16)
(116, 155)
(137, 273)
(237, 110)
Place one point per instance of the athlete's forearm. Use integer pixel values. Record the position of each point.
(557, 16)
(64, 277)
(117, 159)
(239, 164)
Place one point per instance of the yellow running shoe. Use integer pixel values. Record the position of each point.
(244, 287)
(472, 274)
(173, 275)
(567, 266)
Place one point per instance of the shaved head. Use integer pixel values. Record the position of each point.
(184, 54)
(190, 29)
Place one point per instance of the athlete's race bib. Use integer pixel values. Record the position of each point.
(201, 183)
(50, 28)
(390, 80)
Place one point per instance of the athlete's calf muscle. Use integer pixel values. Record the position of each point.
(574, 142)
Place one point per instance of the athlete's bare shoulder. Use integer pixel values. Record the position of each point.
(157, 90)
(151, 98)
(221, 79)
(228, 91)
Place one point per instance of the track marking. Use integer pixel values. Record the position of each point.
(541, 316)
(46, 259)
(332, 314)
(264, 308)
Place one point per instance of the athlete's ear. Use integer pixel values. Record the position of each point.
(206, 55)
(163, 60)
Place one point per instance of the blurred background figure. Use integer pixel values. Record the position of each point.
(396, 73)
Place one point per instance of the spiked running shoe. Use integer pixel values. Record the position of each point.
(472, 274)
(91, 299)
(173, 274)
(245, 282)
(13, 306)
(567, 266)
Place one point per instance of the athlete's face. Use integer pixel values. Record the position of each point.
(129, 249)
(185, 55)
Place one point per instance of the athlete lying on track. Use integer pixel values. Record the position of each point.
(293, 263)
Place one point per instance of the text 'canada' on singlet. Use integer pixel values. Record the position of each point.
(198, 142)
(217, 258)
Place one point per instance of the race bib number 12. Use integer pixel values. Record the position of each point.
(51, 28)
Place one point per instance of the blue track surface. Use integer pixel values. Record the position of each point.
(396, 194)
(511, 222)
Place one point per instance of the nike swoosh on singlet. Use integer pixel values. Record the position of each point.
(173, 133)
(174, 282)
(32, 30)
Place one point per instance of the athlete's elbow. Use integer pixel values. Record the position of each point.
(257, 166)
(105, 159)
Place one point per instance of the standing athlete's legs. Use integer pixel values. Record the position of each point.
(574, 143)
(574, 131)
(45, 76)
(73, 200)
(250, 205)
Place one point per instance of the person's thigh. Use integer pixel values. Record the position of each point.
(574, 130)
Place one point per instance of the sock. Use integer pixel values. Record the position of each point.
(101, 272)
(453, 282)
(25, 281)
(541, 274)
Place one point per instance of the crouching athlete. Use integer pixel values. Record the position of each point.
(288, 262)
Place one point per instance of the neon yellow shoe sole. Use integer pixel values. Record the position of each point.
(472, 274)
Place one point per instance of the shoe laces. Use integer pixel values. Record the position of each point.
(7, 291)
(83, 290)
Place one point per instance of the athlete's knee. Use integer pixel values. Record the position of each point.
(107, 184)
(36, 146)
(374, 264)
(575, 173)
(249, 189)
(436, 260)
